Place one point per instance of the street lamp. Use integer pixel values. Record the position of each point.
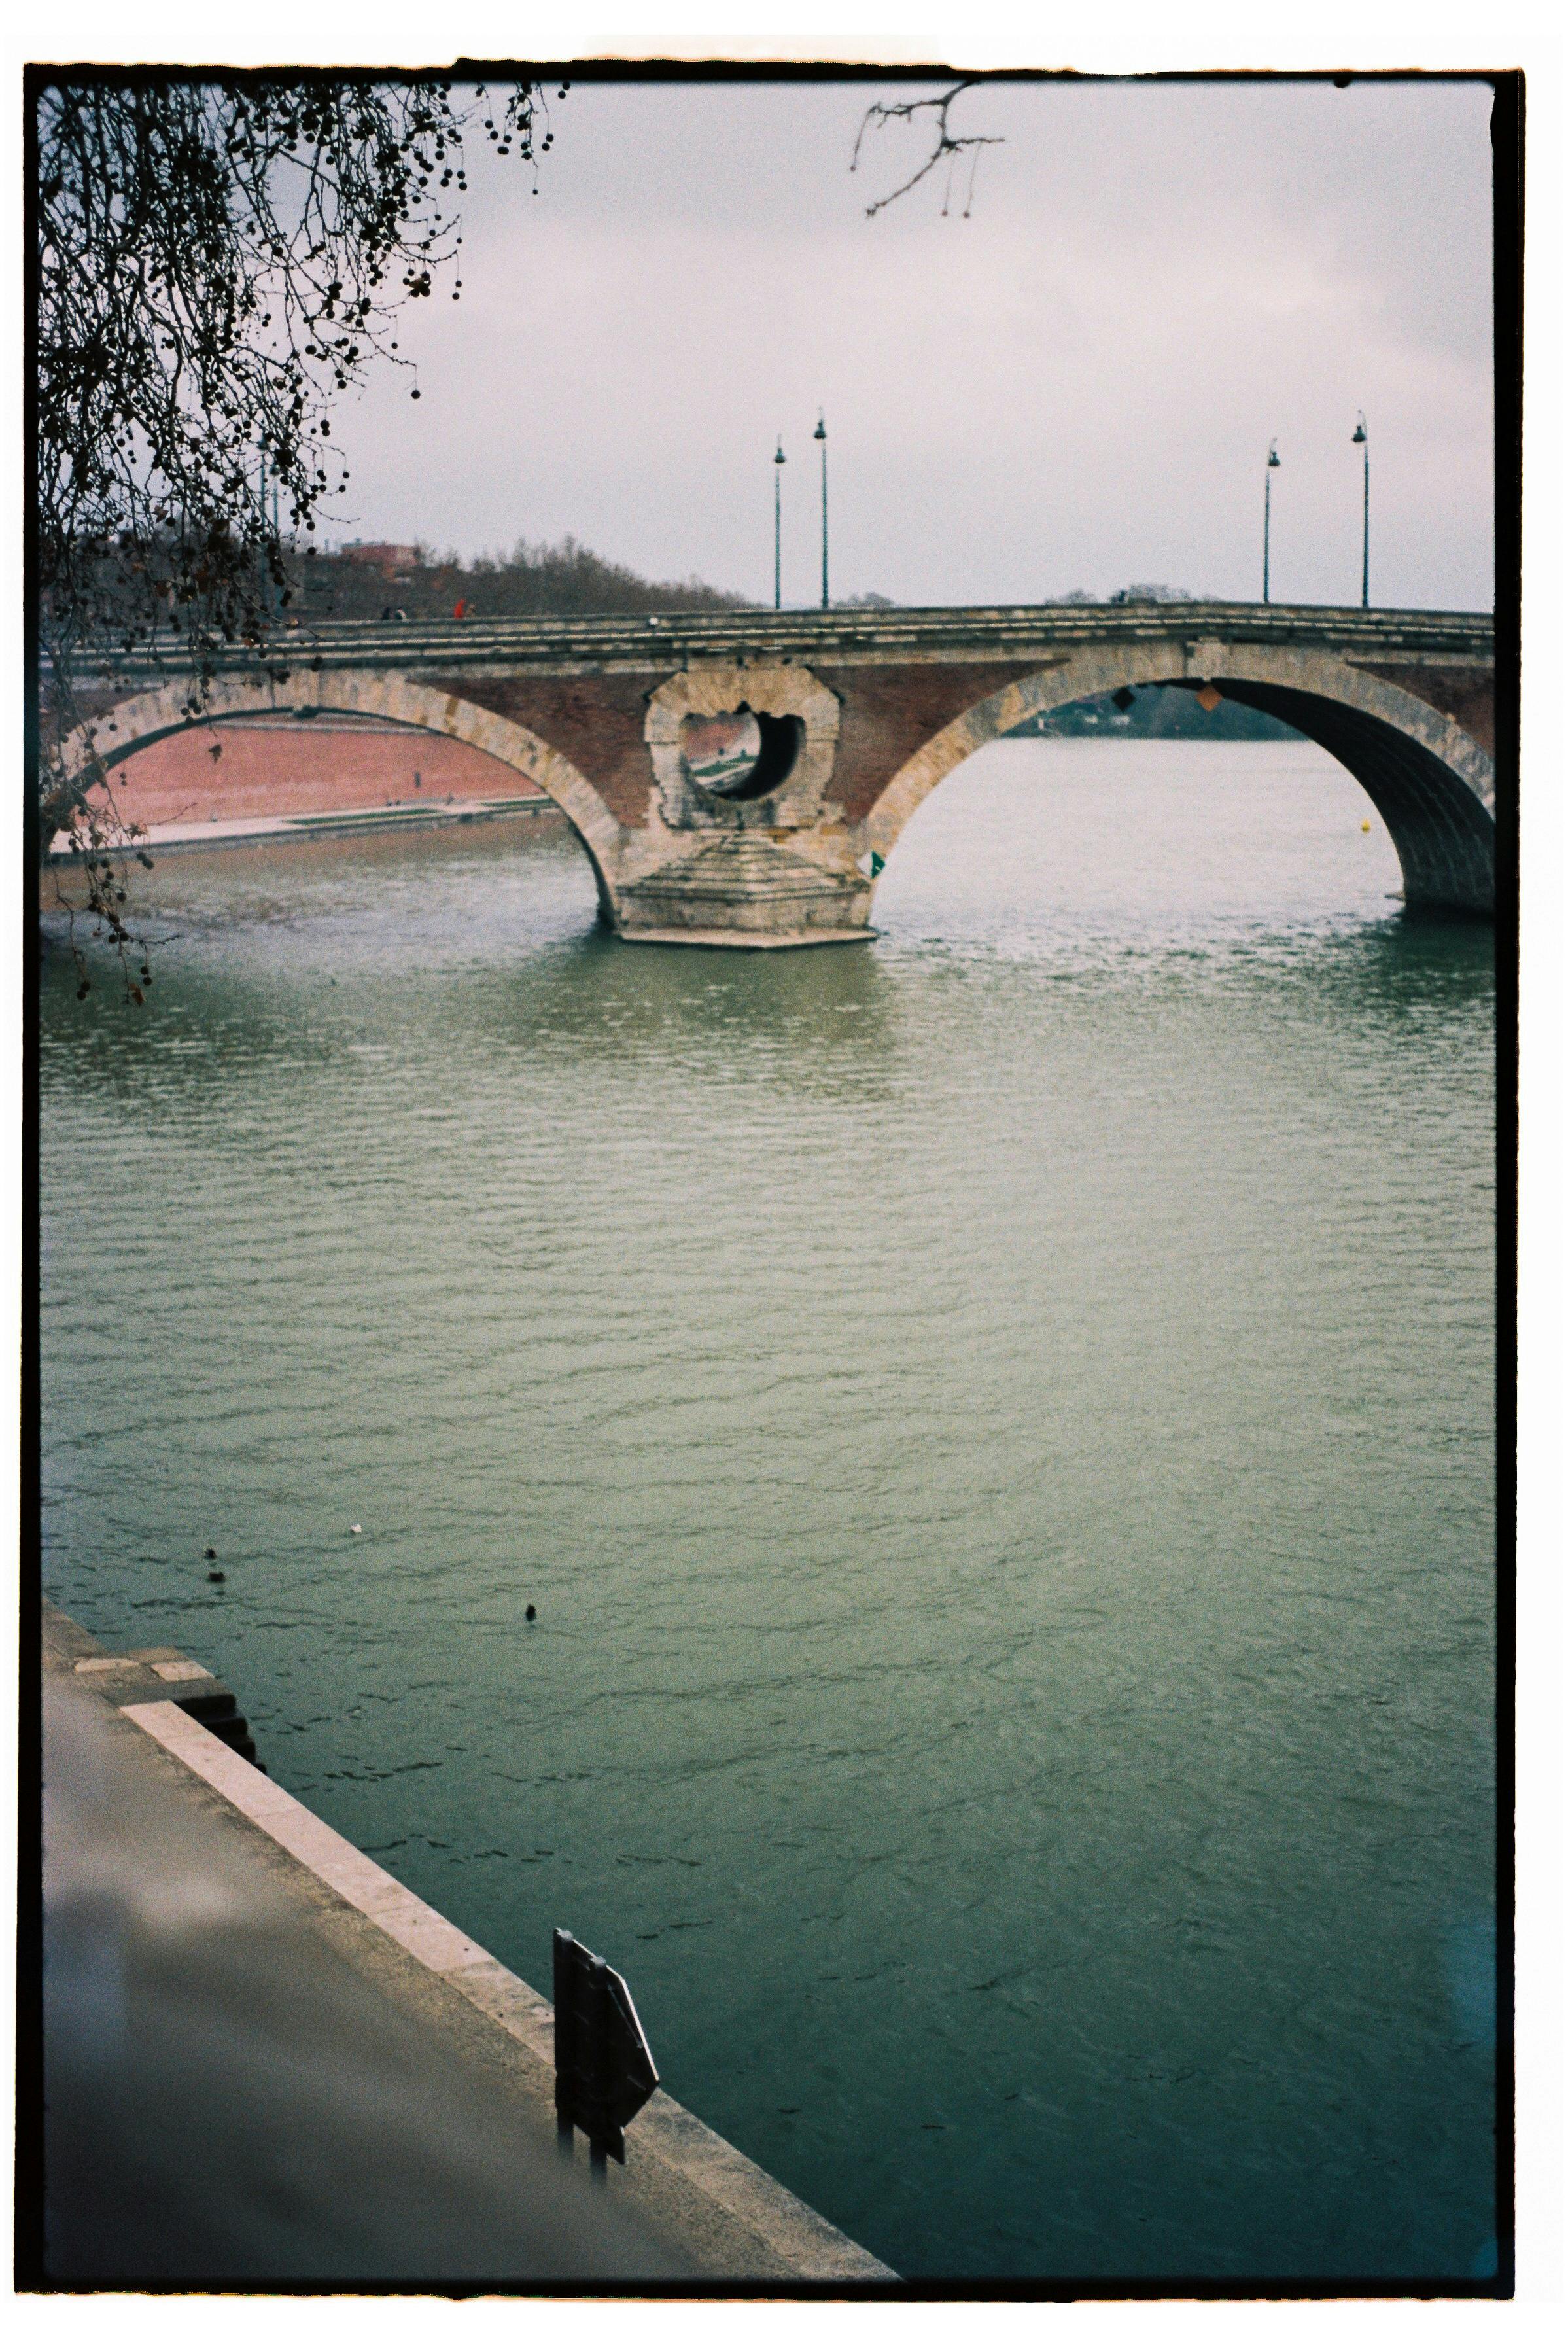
(821, 433)
(1358, 438)
(1268, 470)
(778, 539)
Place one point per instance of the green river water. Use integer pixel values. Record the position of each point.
(997, 1427)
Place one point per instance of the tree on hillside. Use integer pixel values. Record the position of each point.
(563, 580)
(216, 262)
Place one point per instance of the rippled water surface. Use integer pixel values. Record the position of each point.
(996, 1427)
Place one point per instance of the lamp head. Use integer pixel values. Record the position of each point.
(1274, 454)
(1358, 436)
(821, 431)
(780, 455)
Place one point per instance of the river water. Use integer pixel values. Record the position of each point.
(996, 1425)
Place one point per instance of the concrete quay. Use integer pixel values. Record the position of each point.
(202, 836)
(269, 2066)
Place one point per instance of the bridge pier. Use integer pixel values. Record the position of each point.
(745, 892)
(747, 855)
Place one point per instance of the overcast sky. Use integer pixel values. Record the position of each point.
(1075, 386)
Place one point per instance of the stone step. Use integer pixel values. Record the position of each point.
(746, 865)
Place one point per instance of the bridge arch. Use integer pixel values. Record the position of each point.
(1434, 785)
(135, 722)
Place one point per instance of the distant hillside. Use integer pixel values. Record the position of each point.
(535, 580)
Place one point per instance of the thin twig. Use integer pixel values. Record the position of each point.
(878, 116)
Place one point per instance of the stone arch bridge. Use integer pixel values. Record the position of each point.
(848, 719)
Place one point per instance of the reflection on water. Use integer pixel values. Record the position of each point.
(996, 1426)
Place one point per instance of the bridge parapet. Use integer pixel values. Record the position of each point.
(661, 642)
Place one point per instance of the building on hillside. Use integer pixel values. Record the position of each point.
(390, 560)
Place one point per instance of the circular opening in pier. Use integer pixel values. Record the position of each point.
(740, 756)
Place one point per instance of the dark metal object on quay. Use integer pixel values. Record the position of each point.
(604, 2072)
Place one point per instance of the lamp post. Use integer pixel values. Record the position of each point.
(778, 525)
(1268, 470)
(821, 433)
(1358, 438)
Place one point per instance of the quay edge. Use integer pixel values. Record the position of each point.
(704, 2204)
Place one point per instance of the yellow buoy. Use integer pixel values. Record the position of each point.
(1366, 828)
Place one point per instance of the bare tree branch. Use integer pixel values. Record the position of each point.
(217, 261)
(946, 148)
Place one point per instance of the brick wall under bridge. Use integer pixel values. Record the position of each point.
(860, 715)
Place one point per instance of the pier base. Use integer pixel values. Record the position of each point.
(743, 891)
